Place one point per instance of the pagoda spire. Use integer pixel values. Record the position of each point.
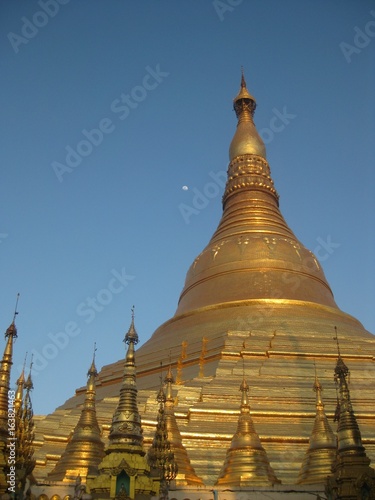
(126, 430)
(352, 476)
(321, 452)
(85, 450)
(160, 456)
(246, 140)
(6, 397)
(20, 387)
(124, 471)
(246, 463)
(25, 433)
(186, 474)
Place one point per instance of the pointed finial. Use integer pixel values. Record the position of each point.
(243, 81)
(92, 369)
(336, 337)
(29, 383)
(131, 336)
(244, 388)
(15, 309)
(244, 104)
(161, 398)
(317, 387)
(169, 376)
(24, 362)
(341, 370)
(12, 330)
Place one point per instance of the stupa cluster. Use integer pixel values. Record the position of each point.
(256, 337)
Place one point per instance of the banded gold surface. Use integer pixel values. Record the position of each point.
(255, 303)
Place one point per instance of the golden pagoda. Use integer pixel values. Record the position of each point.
(321, 453)
(246, 463)
(85, 449)
(124, 472)
(254, 293)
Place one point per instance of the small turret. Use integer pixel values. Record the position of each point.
(246, 463)
(85, 450)
(352, 476)
(321, 453)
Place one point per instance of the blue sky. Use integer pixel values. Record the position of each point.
(143, 92)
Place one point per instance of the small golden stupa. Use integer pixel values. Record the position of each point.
(246, 463)
(321, 453)
(85, 448)
(253, 294)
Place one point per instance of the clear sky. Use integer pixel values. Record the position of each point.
(109, 108)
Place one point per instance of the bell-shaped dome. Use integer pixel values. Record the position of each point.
(253, 254)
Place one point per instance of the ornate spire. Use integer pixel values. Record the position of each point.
(124, 471)
(246, 462)
(126, 430)
(186, 473)
(25, 462)
(348, 433)
(246, 140)
(321, 453)
(20, 386)
(85, 450)
(5, 368)
(160, 456)
(352, 477)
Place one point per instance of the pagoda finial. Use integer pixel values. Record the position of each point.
(29, 383)
(336, 337)
(92, 370)
(169, 381)
(244, 388)
(20, 386)
(131, 336)
(244, 103)
(318, 390)
(246, 140)
(12, 330)
(243, 81)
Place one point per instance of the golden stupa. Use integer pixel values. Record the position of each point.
(255, 305)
